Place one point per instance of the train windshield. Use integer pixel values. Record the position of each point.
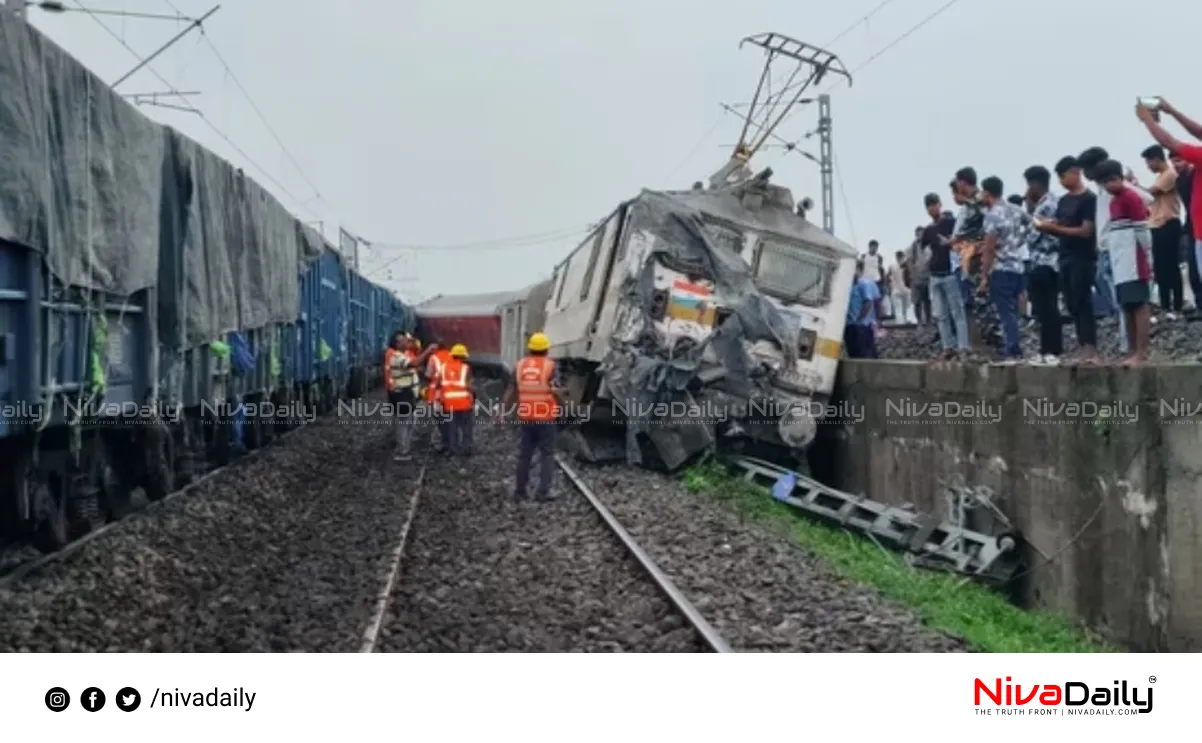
(792, 273)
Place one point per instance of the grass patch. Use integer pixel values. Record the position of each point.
(944, 601)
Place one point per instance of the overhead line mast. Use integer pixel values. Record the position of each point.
(767, 109)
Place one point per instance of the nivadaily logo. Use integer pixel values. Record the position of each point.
(1071, 698)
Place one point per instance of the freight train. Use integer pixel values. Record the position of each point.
(160, 313)
(684, 318)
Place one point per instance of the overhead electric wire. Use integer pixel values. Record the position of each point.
(255, 107)
(700, 143)
(174, 91)
(877, 55)
(519, 241)
(856, 24)
(851, 226)
(408, 251)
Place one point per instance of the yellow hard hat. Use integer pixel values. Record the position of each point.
(459, 351)
(538, 342)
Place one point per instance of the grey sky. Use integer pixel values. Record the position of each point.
(447, 122)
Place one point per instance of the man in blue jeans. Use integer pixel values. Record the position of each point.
(1007, 228)
(947, 300)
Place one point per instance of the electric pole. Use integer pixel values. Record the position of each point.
(826, 163)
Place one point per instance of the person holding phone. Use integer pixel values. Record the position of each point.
(1189, 153)
(1164, 221)
(1074, 225)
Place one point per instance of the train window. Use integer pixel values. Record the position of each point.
(586, 284)
(793, 273)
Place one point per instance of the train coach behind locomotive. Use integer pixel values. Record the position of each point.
(689, 317)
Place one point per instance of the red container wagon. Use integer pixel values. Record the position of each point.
(493, 326)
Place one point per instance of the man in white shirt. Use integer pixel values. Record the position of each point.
(874, 271)
(1104, 280)
(899, 289)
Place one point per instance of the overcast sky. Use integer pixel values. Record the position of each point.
(440, 123)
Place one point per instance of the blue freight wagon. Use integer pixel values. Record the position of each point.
(153, 302)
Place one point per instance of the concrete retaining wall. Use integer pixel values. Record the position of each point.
(1110, 500)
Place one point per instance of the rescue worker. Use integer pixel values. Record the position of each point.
(434, 367)
(539, 401)
(458, 401)
(401, 362)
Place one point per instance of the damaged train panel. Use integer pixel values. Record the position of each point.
(694, 316)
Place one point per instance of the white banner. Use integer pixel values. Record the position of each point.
(572, 698)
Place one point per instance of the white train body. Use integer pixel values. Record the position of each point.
(599, 304)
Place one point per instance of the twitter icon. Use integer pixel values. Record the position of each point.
(128, 699)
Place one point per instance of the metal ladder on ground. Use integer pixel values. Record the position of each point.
(932, 542)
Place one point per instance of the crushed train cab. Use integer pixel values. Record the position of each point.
(690, 317)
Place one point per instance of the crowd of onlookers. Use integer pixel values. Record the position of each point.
(1000, 262)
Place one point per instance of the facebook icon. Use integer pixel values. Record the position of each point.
(92, 699)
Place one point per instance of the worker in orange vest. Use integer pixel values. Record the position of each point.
(434, 367)
(401, 364)
(539, 404)
(458, 401)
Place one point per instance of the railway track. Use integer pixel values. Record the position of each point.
(704, 629)
(440, 583)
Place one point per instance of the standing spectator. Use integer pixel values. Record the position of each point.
(1185, 188)
(1044, 279)
(1104, 282)
(899, 288)
(1024, 310)
(920, 278)
(859, 335)
(1006, 228)
(966, 240)
(1190, 153)
(947, 298)
(970, 226)
(1130, 245)
(1165, 222)
(874, 271)
(1074, 226)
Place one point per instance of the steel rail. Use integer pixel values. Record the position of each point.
(682, 604)
(371, 636)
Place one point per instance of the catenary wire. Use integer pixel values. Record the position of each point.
(254, 107)
(528, 241)
(880, 52)
(851, 226)
(216, 130)
(856, 24)
(709, 133)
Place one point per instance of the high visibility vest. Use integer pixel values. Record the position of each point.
(456, 397)
(536, 403)
(434, 368)
(399, 373)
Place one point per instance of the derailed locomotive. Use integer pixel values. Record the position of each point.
(690, 317)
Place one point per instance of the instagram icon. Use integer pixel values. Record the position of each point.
(57, 699)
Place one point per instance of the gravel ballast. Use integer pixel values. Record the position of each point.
(1174, 339)
(761, 592)
(482, 573)
(289, 551)
(284, 551)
